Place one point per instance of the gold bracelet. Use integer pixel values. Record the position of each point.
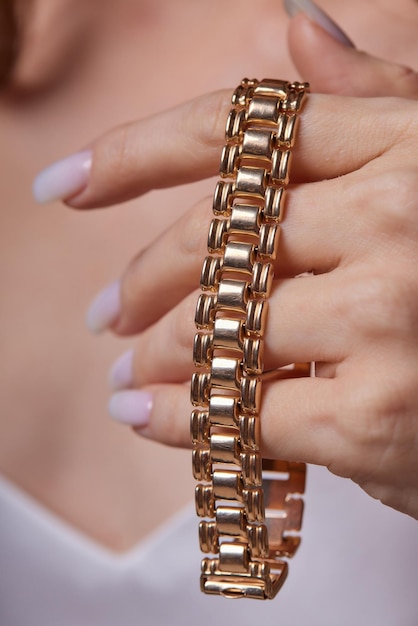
(254, 505)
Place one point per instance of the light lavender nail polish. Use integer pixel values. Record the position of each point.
(318, 16)
(105, 309)
(121, 373)
(131, 407)
(64, 178)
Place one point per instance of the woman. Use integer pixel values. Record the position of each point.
(63, 461)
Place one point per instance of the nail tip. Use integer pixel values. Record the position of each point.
(37, 192)
(112, 408)
(92, 327)
(131, 407)
(63, 179)
(94, 322)
(290, 8)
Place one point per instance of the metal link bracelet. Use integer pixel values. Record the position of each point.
(253, 506)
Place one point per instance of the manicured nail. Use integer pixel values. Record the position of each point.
(64, 178)
(317, 15)
(121, 373)
(131, 407)
(105, 309)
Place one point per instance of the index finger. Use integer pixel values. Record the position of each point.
(337, 135)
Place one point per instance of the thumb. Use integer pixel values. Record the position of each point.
(335, 67)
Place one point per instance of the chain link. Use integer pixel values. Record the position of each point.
(253, 507)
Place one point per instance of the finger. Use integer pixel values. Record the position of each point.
(177, 146)
(297, 417)
(172, 264)
(183, 145)
(165, 272)
(312, 318)
(302, 326)
(337, 423)
(333, 67)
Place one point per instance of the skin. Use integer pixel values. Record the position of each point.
(57, 441)
(64, 454)
(356, 316)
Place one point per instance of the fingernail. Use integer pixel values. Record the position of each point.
(105, 309)
(121, 372)
(317, 15)
(64, 178)
(131, 407)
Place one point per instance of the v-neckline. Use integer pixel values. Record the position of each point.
(42, 516)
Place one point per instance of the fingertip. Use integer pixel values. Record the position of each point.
(322, 59)
(63, 179)
(307, 36)
(131, 407)
(308, 11)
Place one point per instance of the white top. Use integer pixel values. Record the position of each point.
(357, 566)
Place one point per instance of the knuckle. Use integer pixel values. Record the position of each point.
(206, 118)
(116, 146)
(192, 231)
(377, 304)
(182, 326)
(377, 414)
(381, 305)
(400, 199)
(390, 199)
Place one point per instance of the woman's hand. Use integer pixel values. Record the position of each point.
(351, 219)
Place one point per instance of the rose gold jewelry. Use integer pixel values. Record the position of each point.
(253, 506)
